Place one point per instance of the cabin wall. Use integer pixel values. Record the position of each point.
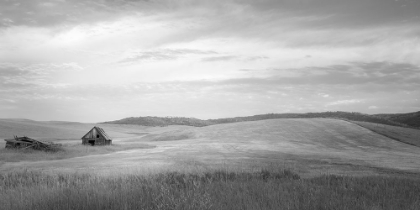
(98, 141)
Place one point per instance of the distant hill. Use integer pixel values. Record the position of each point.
(165, 121)
(162, 121)
(354, 116)
(411, 119)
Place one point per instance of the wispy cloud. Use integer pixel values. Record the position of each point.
(26, 77)
(220, 58)
(344, 102)
(164, 54)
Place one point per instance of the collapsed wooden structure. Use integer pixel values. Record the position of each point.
(26, 143)
(96, 136)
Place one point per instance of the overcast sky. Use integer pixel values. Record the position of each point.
(99, 60)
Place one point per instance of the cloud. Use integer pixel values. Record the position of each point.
(148, 56)
(56, 12)
(256, 58)
(352, 77)
(218, 18)
(8, 100)
(344, 102)
(164, 54)
(16, 76)
(264, 55)
(247, 70)
(234, 57)
(10, 69)
(150, 25)
(44, 68)
(220, 58)
(248, 95)
(345, 14)
(354, 73)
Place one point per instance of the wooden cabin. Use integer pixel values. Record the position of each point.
(96, 136)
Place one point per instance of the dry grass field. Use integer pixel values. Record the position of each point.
(268, 164)
(308, 146)
(277, 189)
(406, 135)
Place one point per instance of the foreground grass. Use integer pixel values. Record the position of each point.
(67, 151)
(211, 190)
(406, 135)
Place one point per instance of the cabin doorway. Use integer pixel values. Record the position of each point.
(91, 142)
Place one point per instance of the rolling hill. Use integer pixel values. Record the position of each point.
(165, 121)
(411, 119)
(162, 121)
(309, 146)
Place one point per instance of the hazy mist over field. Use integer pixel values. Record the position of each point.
(99, 60)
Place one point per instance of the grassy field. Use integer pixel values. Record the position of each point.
(406, 135)
(264, 189)
(307, 164)
(309, 146)
(64, 152)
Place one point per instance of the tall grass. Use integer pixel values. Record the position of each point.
(209, 190)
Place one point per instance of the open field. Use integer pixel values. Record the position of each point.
(406, 135)
(268, 164)
(308, 146)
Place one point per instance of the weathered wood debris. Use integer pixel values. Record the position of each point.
(26, 143)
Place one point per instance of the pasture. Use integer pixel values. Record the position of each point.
(322, 163)
(406, 135)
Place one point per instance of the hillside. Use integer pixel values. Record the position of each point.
(354, 116)
(411, 119)
(409, 136)
(161, 121)
(165, 121)
(309, 146)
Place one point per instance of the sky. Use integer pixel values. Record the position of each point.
(102, 60)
